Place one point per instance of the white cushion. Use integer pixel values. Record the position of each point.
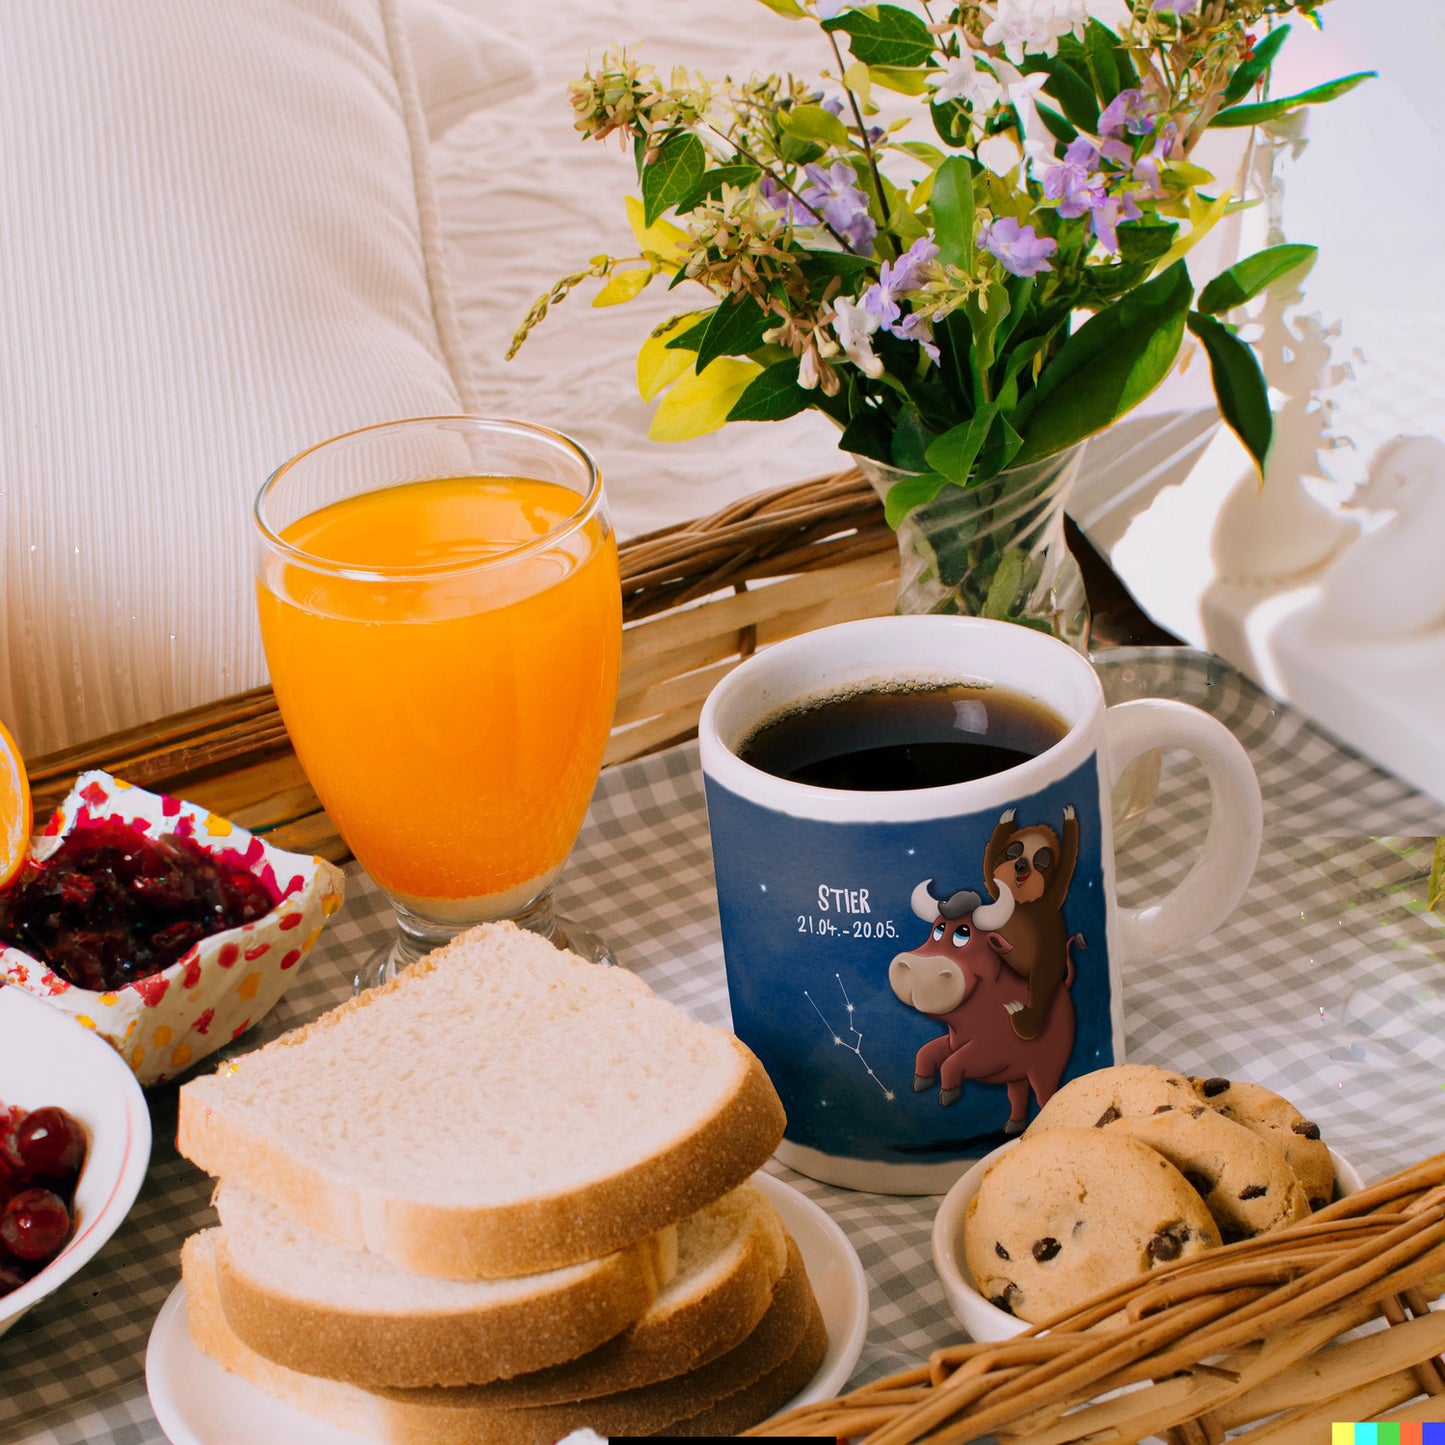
(461, 64)
(218, 245)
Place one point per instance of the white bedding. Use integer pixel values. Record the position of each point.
(525, 200)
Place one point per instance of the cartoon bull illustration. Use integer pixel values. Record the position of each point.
(957, 975)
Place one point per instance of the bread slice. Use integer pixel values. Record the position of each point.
(305, 1302)
(730, 1256)
(311, 1304)
(738, 1388)
(499, 1109)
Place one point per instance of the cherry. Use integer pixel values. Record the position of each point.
(34, 1225)
(12, 1275)
(51, 1145)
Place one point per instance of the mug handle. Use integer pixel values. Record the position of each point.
(1215, 884)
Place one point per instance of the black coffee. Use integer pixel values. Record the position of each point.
(910, 735)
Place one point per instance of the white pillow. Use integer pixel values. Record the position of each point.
(460, 64)
(218, 245)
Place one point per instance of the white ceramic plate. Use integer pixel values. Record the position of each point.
(199, 1403)
(48, 1058)
(984, 1321)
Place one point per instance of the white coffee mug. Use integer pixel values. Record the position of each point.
(919, 969)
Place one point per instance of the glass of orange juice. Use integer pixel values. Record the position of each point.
(442, 617)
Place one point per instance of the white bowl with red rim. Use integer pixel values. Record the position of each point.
(46, 1058)
(983, 1321)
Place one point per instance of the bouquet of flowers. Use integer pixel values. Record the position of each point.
(966, 244)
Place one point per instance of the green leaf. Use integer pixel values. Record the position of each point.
(1107, 367)
(1056, 125)
(1073, 92)
(1252, 71)
(691, 339)
(912, 491)
(672, 174)
(899, 78)
(1247, 278)
(921, 150)
(868, 434)
(773, 395)
(911, 440)
(788, 9)
(1239, 385)
(734, 329)
(953, 454)
(1004, 587)
(952, 122)
(710, 183)
(951, 202)
(1099, 54)
(1238, 115)
(885, 35)
(813, 123)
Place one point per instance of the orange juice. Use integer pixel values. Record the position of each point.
(451, 697)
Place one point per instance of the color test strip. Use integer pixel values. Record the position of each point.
(1383, 1433)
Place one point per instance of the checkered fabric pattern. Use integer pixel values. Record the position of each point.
(1326, 985)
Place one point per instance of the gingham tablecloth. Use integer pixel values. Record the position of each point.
(1328, 985)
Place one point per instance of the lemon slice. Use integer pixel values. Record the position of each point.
(15, 813)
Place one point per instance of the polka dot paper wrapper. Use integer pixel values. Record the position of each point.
(163, 1024)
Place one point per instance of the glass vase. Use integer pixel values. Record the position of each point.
(994, 549)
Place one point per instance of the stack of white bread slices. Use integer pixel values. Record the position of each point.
(501, 1198)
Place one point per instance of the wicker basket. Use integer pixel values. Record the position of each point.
(1281, 1336)
(697, 598)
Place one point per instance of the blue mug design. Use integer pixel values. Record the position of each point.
(919, 970)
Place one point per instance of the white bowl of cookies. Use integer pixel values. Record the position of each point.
(1124, 1170)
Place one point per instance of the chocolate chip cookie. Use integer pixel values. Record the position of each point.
(1123, 1091)
(1068, 1212)
(1278, 1122)
(1245, 1182)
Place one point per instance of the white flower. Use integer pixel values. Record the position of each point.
(854, 325)
(999, 154)
(966, 79)
(1033, 26)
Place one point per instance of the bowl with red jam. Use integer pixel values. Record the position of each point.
(75, 1141)
(164, 928)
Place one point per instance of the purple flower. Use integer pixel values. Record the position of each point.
(1074, 187)
(1108, 216)
(1020, 249)
(1131, 111)
(834, 194)
(917, 328)
(779, 198)
(1176, 7)
(897, 279)
(1082, 152)
(909, 271)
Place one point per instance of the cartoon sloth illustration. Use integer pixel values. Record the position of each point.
(1034, 866)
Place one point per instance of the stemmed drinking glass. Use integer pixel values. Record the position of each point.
(441, 613)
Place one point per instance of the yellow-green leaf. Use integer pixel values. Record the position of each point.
(1202, 217)
(662, 238)
(1435, 897)
(696, 405)
(857, 79)
(900, 78)
(788, 9)
(623, 286)
(659, 365)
